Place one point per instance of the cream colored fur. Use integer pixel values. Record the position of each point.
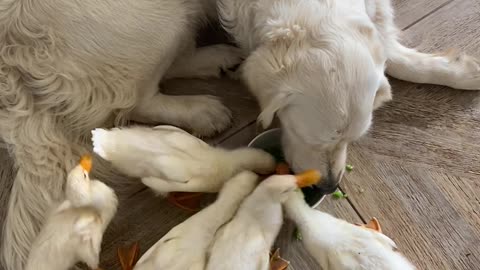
(67, 67)
(319, 66)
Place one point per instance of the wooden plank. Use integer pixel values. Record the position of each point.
(447, 29)
(241, 138)
(418, 168)
(435, 229)
(408, 12)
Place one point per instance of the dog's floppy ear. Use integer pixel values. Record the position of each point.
(278, 102)
(384, 93)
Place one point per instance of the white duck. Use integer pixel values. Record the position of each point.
(245, 242)
(185, 246)
(339, 245)
(73, 231)
(170, 159)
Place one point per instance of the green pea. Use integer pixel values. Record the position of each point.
(349, 168)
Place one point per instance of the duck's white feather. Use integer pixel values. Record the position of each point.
(74, 230)
(339, 245)
(173, 156)
(185, 246)
(245, 242)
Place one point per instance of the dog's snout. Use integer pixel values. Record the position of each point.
(329, 183)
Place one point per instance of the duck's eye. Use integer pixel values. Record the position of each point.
(85, 175)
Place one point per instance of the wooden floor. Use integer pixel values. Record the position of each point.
(417, 171)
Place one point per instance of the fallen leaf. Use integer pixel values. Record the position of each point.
(189, 201)
(373, 224)
(277, 262)
(282, 168)
(128, 256)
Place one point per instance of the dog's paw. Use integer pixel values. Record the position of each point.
(208, 116)
(465, 71)
(229, 56)
(226, 59)
(234, 72)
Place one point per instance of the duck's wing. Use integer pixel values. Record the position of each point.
(164, 151)
(122, 143)
(177, 136)
(168, 241)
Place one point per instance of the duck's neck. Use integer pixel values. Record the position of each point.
(264, 211)
(224, 207)
(104, 200)
(252, 160)
(297, 209)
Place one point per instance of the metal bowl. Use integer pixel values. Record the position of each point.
(271, 142)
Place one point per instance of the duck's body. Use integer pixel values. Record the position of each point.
(69, 236)
(245, 242)
(170, 159)
(185, 246)
(73, 231)
(339, 245)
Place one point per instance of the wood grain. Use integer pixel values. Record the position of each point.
(430, 227)
(407, 12)
(453, 26)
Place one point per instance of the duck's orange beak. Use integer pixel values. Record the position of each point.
(308, 178)
(86, 163)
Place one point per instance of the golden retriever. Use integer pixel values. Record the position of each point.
(319, 65)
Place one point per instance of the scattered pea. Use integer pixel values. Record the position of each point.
(298, 235)
(349, 167)
(339, 195)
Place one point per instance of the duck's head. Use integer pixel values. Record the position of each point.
(279, 187)
(78, 187)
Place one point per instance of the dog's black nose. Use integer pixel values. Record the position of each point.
(329, 184)
(327, 189)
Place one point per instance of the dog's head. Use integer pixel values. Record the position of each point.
(324, 94)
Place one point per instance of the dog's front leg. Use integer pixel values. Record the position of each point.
(204, 62)
(452, 69)
(203, 115)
